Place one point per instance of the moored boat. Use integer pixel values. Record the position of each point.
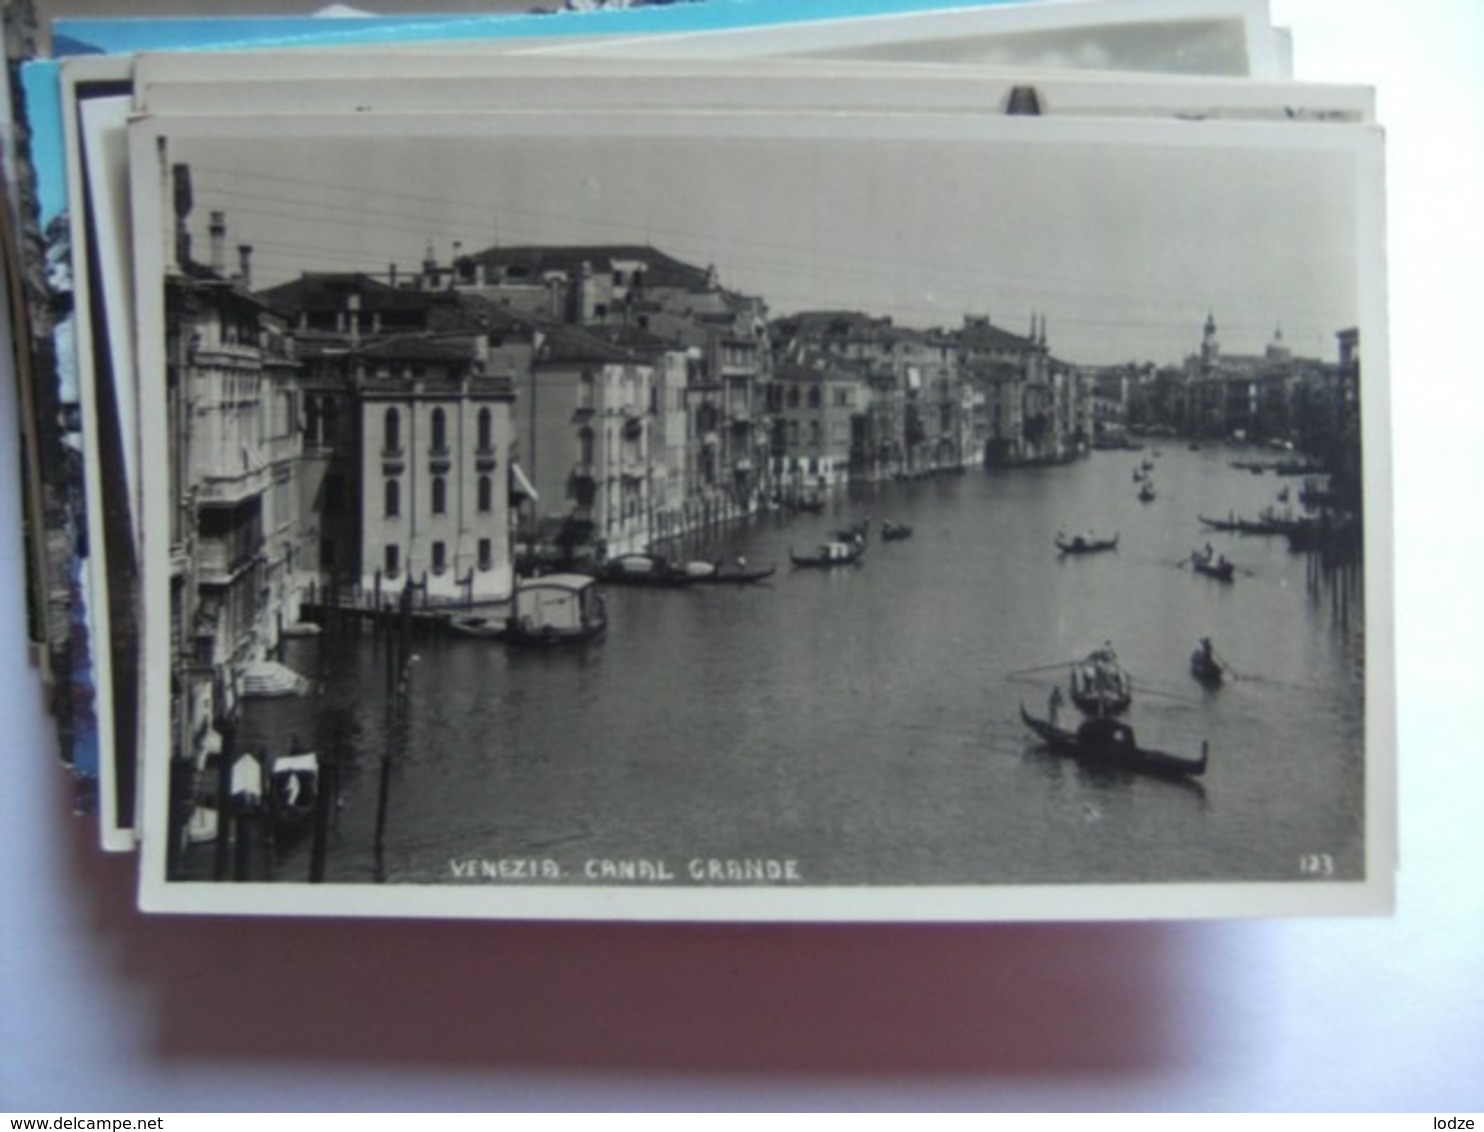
(645, 570)
(558, 609)
(1112, 743)
(830, 554)
(479, 627)
(737, 576)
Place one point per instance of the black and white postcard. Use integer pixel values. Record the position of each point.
(496, 76)
(763, 516)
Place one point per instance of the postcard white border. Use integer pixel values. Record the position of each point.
(247, 83)
(1374, 895)
(1263, 49)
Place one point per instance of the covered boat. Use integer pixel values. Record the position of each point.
(558, 609)
(1099, 684)
(645, 570)
(1111, 743)
(295, 782)
(829, 554)
(739, 575)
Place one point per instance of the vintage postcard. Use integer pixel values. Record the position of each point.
(791, 517)
(256, 82)
(106, 380)
(264, 84)
(1213, 37)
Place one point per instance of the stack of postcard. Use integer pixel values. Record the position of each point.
(721, 461)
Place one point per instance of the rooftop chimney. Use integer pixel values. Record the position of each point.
(244, 265)
(219, 242)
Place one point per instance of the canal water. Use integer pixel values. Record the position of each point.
(863, 722)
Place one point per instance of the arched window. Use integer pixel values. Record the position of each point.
(393, 431)
(440, 430)
(393, 498)
(486, 431)
(486, 495)
(440, 495)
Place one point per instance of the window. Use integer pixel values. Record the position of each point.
(486, 431)
(327, 554)
(393, 499)
(393, 560)
(440, 558)
(793, 396)
(814, 397)
(392, 432)
(440, 430)
(585, 447)
(334, 494)
(486, 553)
(486, 495)
(440, 495)
(814, 433)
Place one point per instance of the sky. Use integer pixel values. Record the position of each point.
(1123, 239)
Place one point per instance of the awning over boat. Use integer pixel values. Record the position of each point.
(519, 485)
(247, 777)
(301, 763)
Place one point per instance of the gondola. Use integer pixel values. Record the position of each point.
(830, 554)
(892, 532)
(1238, 525)
(479, 628)
(1146, 492)
(652, 570)
(1099, 686)
(739, 576)
(1207, 562)
(1207, 670)
(1085, 544)
(294, 780)
(1111, 743)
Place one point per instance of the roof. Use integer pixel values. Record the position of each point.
(328, 291)
(660, 270)
(576, 344)
(982, 334)
(417, 347)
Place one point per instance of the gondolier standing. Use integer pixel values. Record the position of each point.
(1053, 704)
